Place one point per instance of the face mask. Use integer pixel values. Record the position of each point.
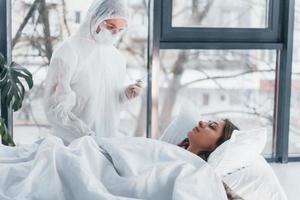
(105, 37)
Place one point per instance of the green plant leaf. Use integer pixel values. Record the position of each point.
(13, 90)
(17, 70)
(6, 138)
(4, 90)
(2, 60)
(3, 75)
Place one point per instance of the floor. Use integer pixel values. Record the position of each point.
(289, 177)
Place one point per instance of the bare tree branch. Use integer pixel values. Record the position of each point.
(226, 77)
(170, 95)
(214, 80)
(65, 17)
(25, 21)
(201, 15)
(238, 112)
(47, 34)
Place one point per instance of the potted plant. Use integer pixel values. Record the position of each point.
(12, 91)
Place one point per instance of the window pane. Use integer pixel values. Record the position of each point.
(234, 84)
(294, 137)
(31, 51)
(220, 13)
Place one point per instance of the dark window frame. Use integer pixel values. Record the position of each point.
(5, 49)
(278, 36)
(271, 34)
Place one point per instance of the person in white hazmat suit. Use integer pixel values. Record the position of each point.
(84, 85)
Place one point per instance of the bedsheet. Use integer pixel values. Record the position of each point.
(121, 169)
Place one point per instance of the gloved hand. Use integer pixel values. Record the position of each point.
(133, 90)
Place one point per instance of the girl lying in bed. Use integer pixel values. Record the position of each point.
(206, 137)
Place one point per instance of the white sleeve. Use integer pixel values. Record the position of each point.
(122, 95)
(60, 99)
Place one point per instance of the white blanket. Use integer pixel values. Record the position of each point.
(127, 168)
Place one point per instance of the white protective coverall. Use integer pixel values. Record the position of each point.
(84, 85)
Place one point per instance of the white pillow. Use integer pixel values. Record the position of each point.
(239, 151)
(178, 129)
(234, 154)
(256, 181)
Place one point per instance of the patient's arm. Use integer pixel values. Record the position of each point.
(231, 195)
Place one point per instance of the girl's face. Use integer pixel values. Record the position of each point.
(113, 25)
(205, 135)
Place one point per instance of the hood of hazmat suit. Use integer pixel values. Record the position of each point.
(84, 87)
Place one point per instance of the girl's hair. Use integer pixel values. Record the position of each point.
(229, 127)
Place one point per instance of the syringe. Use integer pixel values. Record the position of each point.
(143, 79)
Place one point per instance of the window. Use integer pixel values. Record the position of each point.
(220, 13)
(185, 76)
(255, 21)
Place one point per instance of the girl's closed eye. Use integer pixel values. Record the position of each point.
(213, 125)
